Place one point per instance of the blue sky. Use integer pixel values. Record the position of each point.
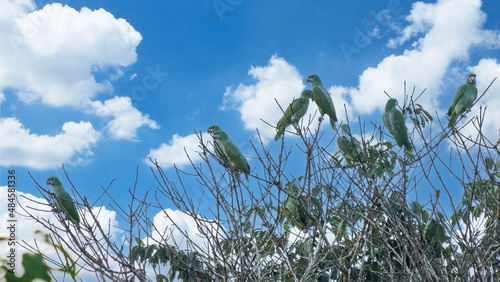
(102, 85)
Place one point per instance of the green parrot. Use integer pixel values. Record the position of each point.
(464, 98)
(322, 99)
(394, 120)
(295, 111)
(232, 152)
(349, 145)
(64, 202)
(295, 206)
(218, 148)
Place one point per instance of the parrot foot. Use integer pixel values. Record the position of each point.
(320, 119)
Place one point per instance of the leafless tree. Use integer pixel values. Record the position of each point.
(388, 215)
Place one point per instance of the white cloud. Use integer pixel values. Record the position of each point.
(26, 228)
(107, 218)
(172, 229)
(278, 80)
(486, 70)
(15, 8)
(281, 81)
(181, 230)
(449, 28)
(19, 147)
(175, 151)
(126, 118)
(2, 97)
(52, 53)
(443, 33)
(340, 97)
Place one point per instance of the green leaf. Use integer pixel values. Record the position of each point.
(415, 207)
(134, 253)
(438, 193)
(149, 251)
(161, 278)
(34, 267)
(341, 228)
(139, 241)
(425, 216)
(476, 211)
(440, 233)
(431, 229)
(9, 276)
(489, 163)
(448, 251)
(453, 220)
(315, 191)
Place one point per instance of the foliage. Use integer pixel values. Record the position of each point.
(35, 267)
(388, 215)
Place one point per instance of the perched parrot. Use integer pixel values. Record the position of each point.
(298, 206)
(232, 152)
(295, 111)
(322, 99)
(295, 206)
(349, 145)
(64, 202)
(218, 148)
(464, 98)
(394, 120)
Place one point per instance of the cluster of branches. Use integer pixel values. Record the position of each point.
(335, 220)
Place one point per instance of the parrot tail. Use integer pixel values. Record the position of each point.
(452, 121)
(332, 122)
(408, 147)
(278, 135)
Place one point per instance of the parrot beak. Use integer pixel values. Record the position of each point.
(472, 80)
(48, 182)
(309, 80)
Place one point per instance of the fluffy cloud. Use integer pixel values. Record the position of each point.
(174, 229)
(52, 55)
(125, 118)
(37, 207)
(449, 29)
(340, 97)
(26, 228)
(15, 8)
(175, 151)
(278, 80)
(444, 34)
(22, 148)
(486, 71)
